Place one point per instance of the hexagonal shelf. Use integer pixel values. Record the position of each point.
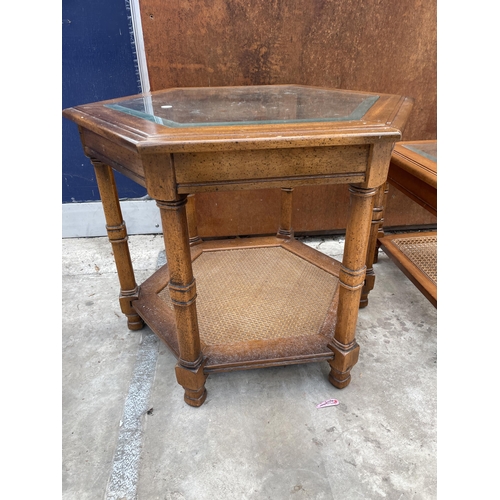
(260, 302)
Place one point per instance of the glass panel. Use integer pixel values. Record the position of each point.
(428, 151)
(192, 107)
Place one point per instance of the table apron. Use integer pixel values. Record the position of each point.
(284, 182)
(241, 170)
(243, 166)
(415, 188)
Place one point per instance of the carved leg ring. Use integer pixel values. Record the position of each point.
(351, 280)
(376, 224)
(182, 287)
(117, 234)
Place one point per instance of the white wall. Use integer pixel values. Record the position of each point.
(84, 220)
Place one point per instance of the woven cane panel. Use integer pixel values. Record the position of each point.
(422, 251)
(258, 294)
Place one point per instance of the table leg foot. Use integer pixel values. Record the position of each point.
(134, 321)
(345, 357)
(339, 380)
(193, 382)
(367, 287)
(192, 398)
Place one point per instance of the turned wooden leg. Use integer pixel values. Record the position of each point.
(117, 234)
(378, 208)
(381, 225)
(285, 230)
(351, 278)
(194, 238)
(182, 287)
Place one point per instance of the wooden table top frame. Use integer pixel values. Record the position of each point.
(174, 160)
(413, 171)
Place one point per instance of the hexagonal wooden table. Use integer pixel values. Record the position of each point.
(255, 302)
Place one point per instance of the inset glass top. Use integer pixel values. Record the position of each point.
(427, 150)
(201, 107)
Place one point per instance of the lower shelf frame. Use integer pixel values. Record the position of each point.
(422, 278)
(158, 314)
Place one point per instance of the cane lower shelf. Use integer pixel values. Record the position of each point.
(416, 255)
(261, 302)
(244, 303)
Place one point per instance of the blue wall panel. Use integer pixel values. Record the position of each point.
(98, 63)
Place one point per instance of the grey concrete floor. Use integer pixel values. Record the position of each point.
(127, 432)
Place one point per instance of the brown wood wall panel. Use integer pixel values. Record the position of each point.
(385, 46)
(316, 209)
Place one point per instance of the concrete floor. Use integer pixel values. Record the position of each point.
(128, 434)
